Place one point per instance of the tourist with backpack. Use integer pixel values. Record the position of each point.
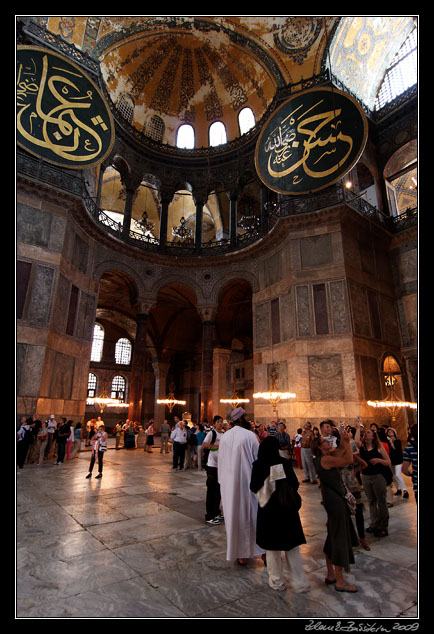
(213, 515)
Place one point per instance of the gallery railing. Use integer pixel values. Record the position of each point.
(74, 183)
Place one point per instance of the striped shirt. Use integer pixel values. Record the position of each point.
(410, 455)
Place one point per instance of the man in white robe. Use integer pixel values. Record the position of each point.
(238, 450)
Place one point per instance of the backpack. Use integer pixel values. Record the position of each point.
(205, 452)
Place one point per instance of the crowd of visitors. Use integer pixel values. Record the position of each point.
(251, 484)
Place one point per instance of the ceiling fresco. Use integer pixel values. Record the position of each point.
(201, 69)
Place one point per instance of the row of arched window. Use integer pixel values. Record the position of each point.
(123, 347)
(185, 137)
(118, 387)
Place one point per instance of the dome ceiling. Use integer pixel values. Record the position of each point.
(201, 69)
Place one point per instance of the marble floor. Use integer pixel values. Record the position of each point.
(134, 545)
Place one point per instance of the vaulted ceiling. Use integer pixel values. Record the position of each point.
(201, 69)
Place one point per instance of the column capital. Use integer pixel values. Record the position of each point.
(143, 306)
(207, 313)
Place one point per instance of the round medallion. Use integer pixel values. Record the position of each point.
(62, 116)
(311, 141)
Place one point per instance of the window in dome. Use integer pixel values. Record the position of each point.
(123, 351)
(118, 388)
(217, 134)
(155, 128)
(401, 74)
(97, 343)
(185, 137)
(91, 385)
(126, 107)
(246, 120)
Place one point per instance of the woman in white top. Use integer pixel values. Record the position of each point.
(99, 447)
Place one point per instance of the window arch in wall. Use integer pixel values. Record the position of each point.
(154, 128)
(97, 343)
(217, 134)
(123, 351)
(185, 137)
(91, 385)
(125, 107)
(118, 389)
(246, 120)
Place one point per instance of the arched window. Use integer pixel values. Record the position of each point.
(97, 343)
(118, 387)
(246, 120)
(123, 351)
(155, 128)
(217, 134)
(91, 385)
(401, 74)
(185, 137)
(126, 107)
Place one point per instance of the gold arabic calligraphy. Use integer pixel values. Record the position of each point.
(284, 140)
(60, 129)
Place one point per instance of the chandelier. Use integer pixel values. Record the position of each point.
(170, 401)
(274, 396)
(181, 231)
(145, 225)
(235, 400)
(104, 400)
(392, 403)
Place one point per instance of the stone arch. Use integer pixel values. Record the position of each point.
(130, 275)
(234, 274)
(180, 279)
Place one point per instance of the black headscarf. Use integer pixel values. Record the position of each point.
(268, 455)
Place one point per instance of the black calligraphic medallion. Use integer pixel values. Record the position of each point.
(62, 116)
(311, 141)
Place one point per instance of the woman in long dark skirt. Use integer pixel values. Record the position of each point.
(278, 526)
(341, 535)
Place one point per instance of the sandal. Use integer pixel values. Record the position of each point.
(346, 588)
(329, 582)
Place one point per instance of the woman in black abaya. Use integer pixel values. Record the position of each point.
(278, 527)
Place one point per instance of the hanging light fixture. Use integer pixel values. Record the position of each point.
(249, 222)
(392, 403)
(104, 400)
(182, 231)
(235, 400)
(274, 396)
(170, 401)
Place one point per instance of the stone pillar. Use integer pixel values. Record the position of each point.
(138, 364)
(160, 371)
(128, 209)
(220, 361)
(199, 225)
(165, 202)
(206, 383)
(233, 219)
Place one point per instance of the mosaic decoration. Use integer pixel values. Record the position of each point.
(297, 35)
(213, 107)
(230, 82)
(161, 99)
(187, 87)
(61, 115)
(311, 141)
(146, 71)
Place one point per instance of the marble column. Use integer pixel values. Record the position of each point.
(221, 358)
(137, 369)
(165, 202)
(161, 371)
(128, 210)
(199, 225)
(206, 383)
(233, 219)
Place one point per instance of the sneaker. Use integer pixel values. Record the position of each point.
(98, 476)
(89, 475)
(219, 517)
(213, 522)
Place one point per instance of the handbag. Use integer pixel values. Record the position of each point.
(351, 501)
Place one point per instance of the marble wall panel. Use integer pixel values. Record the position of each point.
(389, 320)
(367, 257)
(325, 378)
(338, 307)
(370, 377)
(287, 313)
(374, 314)
(316, 251)
(304, 319)
(40, 303)
(359, 309)
(31, 365)
(320, 309)
(62, 376)
(62, 291)
(282, 375)
(80, 254)
(40, 228)
(86, 316)
(276, 267)
(262, 325)
(275, 320)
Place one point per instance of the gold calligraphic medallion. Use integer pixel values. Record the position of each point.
(62, 116)
(311, 141)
